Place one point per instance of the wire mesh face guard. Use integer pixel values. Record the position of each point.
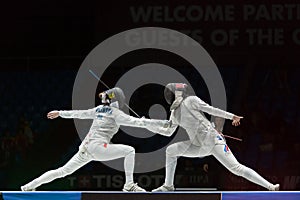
(114, 97)
(175, 90)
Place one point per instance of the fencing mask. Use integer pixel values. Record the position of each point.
(114, 97)
(175, 90)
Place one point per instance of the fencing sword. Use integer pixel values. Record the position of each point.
(102, 82)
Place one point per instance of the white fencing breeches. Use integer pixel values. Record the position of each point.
(220, 151)
(98, 152)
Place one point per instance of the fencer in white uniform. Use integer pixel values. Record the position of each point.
(204, 140)
(96, 146)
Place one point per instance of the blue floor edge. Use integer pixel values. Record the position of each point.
(224, 195)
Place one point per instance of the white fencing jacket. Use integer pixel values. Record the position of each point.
(106, 122)
(189, 116)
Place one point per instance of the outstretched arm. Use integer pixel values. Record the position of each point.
(122, 118)
(162, 127)
(198, 104)
(80, 114)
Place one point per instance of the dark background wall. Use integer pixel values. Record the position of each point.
(256, 49)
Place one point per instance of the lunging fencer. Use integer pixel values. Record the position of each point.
(107, 119)
(204, 140)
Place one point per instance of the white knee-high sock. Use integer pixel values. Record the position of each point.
(254, 177)
(230, 162)
(171, 163)
(77, 161)
(129, 166)
(45, 178)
